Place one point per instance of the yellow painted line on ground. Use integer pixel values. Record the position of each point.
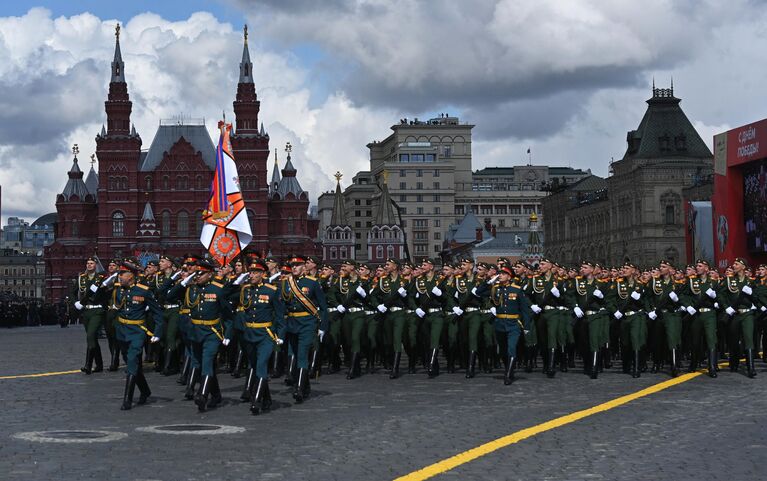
(487, 448)
(42, 374)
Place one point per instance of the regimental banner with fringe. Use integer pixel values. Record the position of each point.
(226, 231)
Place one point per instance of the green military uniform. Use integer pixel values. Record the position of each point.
(471, 305)
(662, 305)
(353, 301)
(700, 295)
(387, 296)
(739, 303)
(547, 295)
(590, 303)
(89, 300)
(628, 308)
(430, 298)
(333, 340)
(160, 283)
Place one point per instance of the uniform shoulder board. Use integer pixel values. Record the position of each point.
(142, 286)
(217, 284)
(311, 277)
(271, 286)
(515, 285)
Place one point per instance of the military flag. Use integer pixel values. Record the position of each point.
(226, 229)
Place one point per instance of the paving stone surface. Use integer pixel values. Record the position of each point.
(373, 428)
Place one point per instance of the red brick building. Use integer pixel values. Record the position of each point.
(150, 202)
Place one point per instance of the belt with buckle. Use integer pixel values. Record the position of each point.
(369, 313)
(354, 309)
(332, 309)
(507, 316)
(471, 309)
(548, 308)
(298, 314)
(395, 309)
(93, 306)
(705, 309)
(591, 313)
(630, 313)
(171, 306)
(434, 309)
(256, 325)
(743, 311)
(205, 322)
(131, 322)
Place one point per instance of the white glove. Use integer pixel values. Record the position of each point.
(618, 314)
(730, 311)
(279, 341)
(361, 291)
(691, 310)
(226, 342)
(154, 339)
(402, 292)
(108, 280)
(492, 311)
(474, 291)
(146, 309)
(636, 296)
(188, 279)
(321, 334)
(578, 312)
(341, 308)
(241, 278)
(175, 275)
(382, 308)
(436, 291)
(555, 291)
(456, 294)
(763, 309)
(711, 293)
(652, 315)
(94, 288)
(420, 312)
(535, 308)
(493, 279)
(457, 310)
(746, 289)
(78, 306)
(673, 296)
(753, 307)
(598, 294)
(716, 305)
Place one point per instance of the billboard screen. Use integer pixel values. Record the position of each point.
(755, 206)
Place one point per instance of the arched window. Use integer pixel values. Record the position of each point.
(148, 182)
(182, 224)
(389, 251)
(343, 252)
(118, 224)
(291, 226)
(182, 182)
(379, 252)
(333, 253)
(198, 182)
(165, 225)
(165, 182)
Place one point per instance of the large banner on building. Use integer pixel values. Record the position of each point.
(735, 153)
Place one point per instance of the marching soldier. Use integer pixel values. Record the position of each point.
(390, 295)
(329, 282)
(589, 304)
(353, 292)
(471, 305)
(739, 304)
(160, 283)
(700, 295)
(261, 314)
(628, 309)
(110, 319)
(430, 299)
(89, 300)
(134, 300)
(664, 310)
(546, 297)
(307, 310)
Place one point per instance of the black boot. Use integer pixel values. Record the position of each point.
(607, 360)
(194, 376)
(316, 365)
(278, 366)
(290, 376)
(411, 362)
(201, 399)
(529, 358)
(693, 361)
(508, 376)
(236, 372)
(472, 362)
(335, 360)
(114, 364)
(182, 379)
(245, 396)
(635, 365)
(551, 365)
(215, 393)
(143, 387)
(626, 362)
(98, 361)
(674, 367)
(563, 360)
(257, 394)
(88, 361)
(434, 363)
(451, 360)
(734, 361)
(570, 356)
(712, 363)
(594, 365)
(750, 363)
(354, 368)
(395, 367)
(159, 357)
(169, 366)
(298, 391)
(130, 385)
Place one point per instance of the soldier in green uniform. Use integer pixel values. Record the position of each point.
(160, 282)
(134, 300)
(371, 322)
(546, 297)
(628, 309)
(760, 317)
(260, 315)
(352, 301)
(407, 292)
(739, 304)
(664, 308)
(307, 310)
(430, 299)
(89, 301)
(190, 373)
(151, 351)
(329, 282)
(700, 296)
(534, 338)
(451, 314)
(388, 297)
(488, 348)
(209, 308)
(465, 284)
(110, 319)
(590, 304)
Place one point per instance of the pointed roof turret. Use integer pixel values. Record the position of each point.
(75, 185)
(103, 131)
(92, 181)
(339, 213)
(275, 176)
(147, 227)
(246, 66)
(289, 184)
(118, 67)
(387, 210)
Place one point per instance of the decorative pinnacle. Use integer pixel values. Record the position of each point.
(385, 175)
(93, 159)
(117, 31)
(338, 176)
(288, 148)
(245, 33)
(275, 156)
(75, 149)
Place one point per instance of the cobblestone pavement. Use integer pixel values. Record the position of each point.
(374, 428)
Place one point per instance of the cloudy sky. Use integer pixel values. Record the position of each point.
(566, 79)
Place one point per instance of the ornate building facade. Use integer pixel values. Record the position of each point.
(151, 202)
(637, 213)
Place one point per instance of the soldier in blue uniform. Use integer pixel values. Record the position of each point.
(260, 315)
(209, 309)
(306, 308)
(133, 300)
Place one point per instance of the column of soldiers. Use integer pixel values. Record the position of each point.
(294, 318)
